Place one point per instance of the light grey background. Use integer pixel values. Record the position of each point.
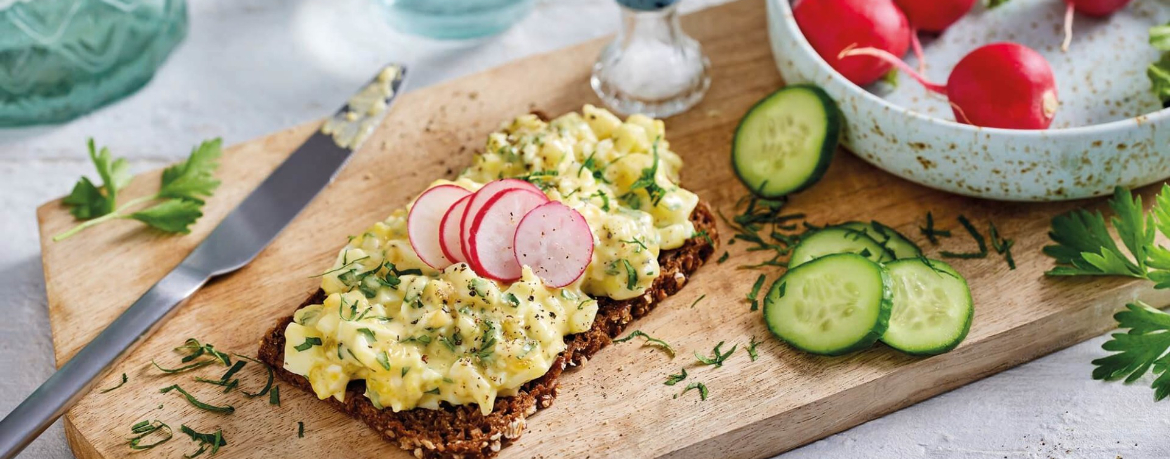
(251, 67)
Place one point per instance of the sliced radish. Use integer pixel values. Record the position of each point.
(422, 224)
(449, 232)
(556, 242)
(494, 229)
(477, 203)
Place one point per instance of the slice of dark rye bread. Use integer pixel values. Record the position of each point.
(464, 432)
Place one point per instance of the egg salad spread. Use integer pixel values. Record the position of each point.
(419, 336)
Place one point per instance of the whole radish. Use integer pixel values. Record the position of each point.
(1001, 85)
(831, 26)
(1095, 8)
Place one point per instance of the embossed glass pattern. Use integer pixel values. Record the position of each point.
(62, 58)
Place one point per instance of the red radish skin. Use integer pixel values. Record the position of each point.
(475, 205)
(934, 16)
(449, 232)
(832, 26)
(1001, 85)
(494, 230)
(556, 242)
(423, 221)
(1095, 8)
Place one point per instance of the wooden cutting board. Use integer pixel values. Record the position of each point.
(617, 405)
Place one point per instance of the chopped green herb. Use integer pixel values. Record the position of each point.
(631, 275)
(724, 257)
(207, 441)
(675, 379)
(405, 370)
(487, 342)
(511, 299)
(652, 341)
(697, 300)
(144, 429)
(703, 234)
(763, 225)
(274, 396)
(751, 349)
(696, 385)
(309, 342)
(267, 384)
(635, 241)
(369, 334)
(717, 358)
(124, 379)
(384, 361)
(756, 291)
(434, 391)
(647, 181)
(198, 404)
(930, 232)
(300, 429)
(982, 244)
(1002, 246)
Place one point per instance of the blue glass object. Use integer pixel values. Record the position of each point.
(651, 67)
(60, 59)
(455, 19)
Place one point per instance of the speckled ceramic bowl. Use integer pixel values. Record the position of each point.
(1110, 129)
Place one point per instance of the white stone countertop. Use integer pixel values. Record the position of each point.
(251, 67)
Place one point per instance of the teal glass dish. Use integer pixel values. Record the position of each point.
(454, 19)
(60, 59)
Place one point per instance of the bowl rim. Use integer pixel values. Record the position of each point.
(789, 21)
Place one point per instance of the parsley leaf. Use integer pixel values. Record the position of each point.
(87, 200)
(172, 215)
(1141, 349)
(651, 341)
(1085, 247)
(717, 358)
(194, 178)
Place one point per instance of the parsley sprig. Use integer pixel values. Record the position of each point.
(177, 204)
(1085, 247)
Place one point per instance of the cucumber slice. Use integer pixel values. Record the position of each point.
(837, 239)
(894, 242)
(784, 143)
(832, 305)
(932, 307)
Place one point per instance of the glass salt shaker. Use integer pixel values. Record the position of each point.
(651, 67)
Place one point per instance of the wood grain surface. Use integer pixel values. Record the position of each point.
(616, 405)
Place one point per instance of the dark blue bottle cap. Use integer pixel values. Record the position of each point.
(646, 5)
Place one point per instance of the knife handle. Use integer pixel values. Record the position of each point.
(75, 379)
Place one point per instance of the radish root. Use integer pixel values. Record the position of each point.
(917, 46)
(1068, 24)
(891, 59)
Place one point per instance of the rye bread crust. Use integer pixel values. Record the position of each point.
(462, 431)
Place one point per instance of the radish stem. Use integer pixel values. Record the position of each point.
(896, 62)
(917, 47)
(1068, 23)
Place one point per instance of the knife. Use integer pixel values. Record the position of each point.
(242, 235)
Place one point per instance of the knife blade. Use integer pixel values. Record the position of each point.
(235, 242)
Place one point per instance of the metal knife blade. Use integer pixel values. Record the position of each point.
(238, 239)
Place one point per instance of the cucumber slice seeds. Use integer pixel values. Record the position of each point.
(932, 307)
(833, 305)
